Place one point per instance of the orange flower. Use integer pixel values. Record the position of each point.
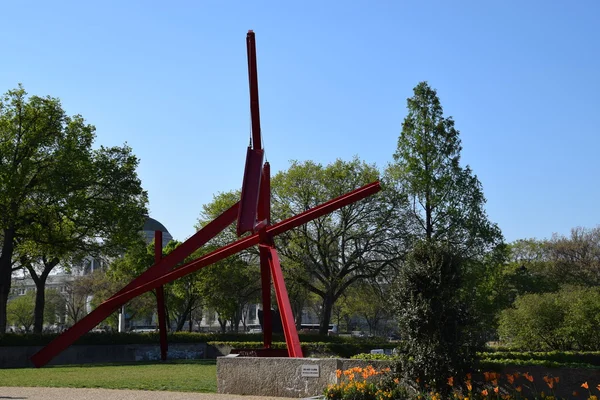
(528, 377)
(598, 387)
(519, 388)
(418, 380)
(496, 390)
(338, 373)
(468, 375)
(484, 392)
(585, 385)
(396, 381)
(517, 375)
(511, 378)
(547, 379)
(451, 381)
(556, 379)
(487, 376)
(469, 387)
(495, 382)
(550, 384)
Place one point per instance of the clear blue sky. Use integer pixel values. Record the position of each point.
(520, 78)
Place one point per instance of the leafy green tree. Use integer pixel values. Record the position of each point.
(328, 255)
(575, 259)
(368, 301)
(435, 295)
(20, 311)
(446, 200)
(59, 196)
(564, 320)
(54, 308)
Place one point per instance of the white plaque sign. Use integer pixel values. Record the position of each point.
(310, 371)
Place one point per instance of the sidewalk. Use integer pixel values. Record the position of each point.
(42, 393)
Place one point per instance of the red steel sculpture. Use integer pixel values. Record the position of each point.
(253, 214)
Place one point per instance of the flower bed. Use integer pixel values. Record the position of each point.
(378, 384)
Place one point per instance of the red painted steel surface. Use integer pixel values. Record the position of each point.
(100, 313)
(160, 299)
(283, 301)
(250, 191)
(264, 218)
(253, 82)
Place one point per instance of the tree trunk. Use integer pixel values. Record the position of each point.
(40, 302)
(8, 247)
(40, 294)
(328, 301)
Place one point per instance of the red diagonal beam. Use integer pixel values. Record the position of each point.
(98, 315)
(283, 301)
(107, 307)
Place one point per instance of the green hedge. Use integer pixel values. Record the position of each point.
(344, 350)
(563, 357)
(14, 339)
(498, 360)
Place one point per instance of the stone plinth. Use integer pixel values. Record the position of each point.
(273, 376)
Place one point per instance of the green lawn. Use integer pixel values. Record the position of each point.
(182, 376)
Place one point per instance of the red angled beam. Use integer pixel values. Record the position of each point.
(99, 314)
(283, 301)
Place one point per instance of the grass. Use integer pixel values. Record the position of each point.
(179, 375)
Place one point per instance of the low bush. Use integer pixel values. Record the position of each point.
(565, 320)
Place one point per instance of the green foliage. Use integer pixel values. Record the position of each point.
(358, 242)
(565, 320)
(434, 320)
(446, 200)
(378, 357)
(561, 357)
(20, 311)
(60, 197)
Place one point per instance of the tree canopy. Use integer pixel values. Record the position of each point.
(446, 200)
(58, 195)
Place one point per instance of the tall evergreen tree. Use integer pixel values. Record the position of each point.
(446, 199)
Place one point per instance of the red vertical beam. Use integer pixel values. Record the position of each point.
(264, 219)
(160, 299)
(253, 81)
(283, 301)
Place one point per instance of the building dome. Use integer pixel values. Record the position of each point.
(151, 225)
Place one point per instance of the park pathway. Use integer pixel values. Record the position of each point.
(42, 393)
